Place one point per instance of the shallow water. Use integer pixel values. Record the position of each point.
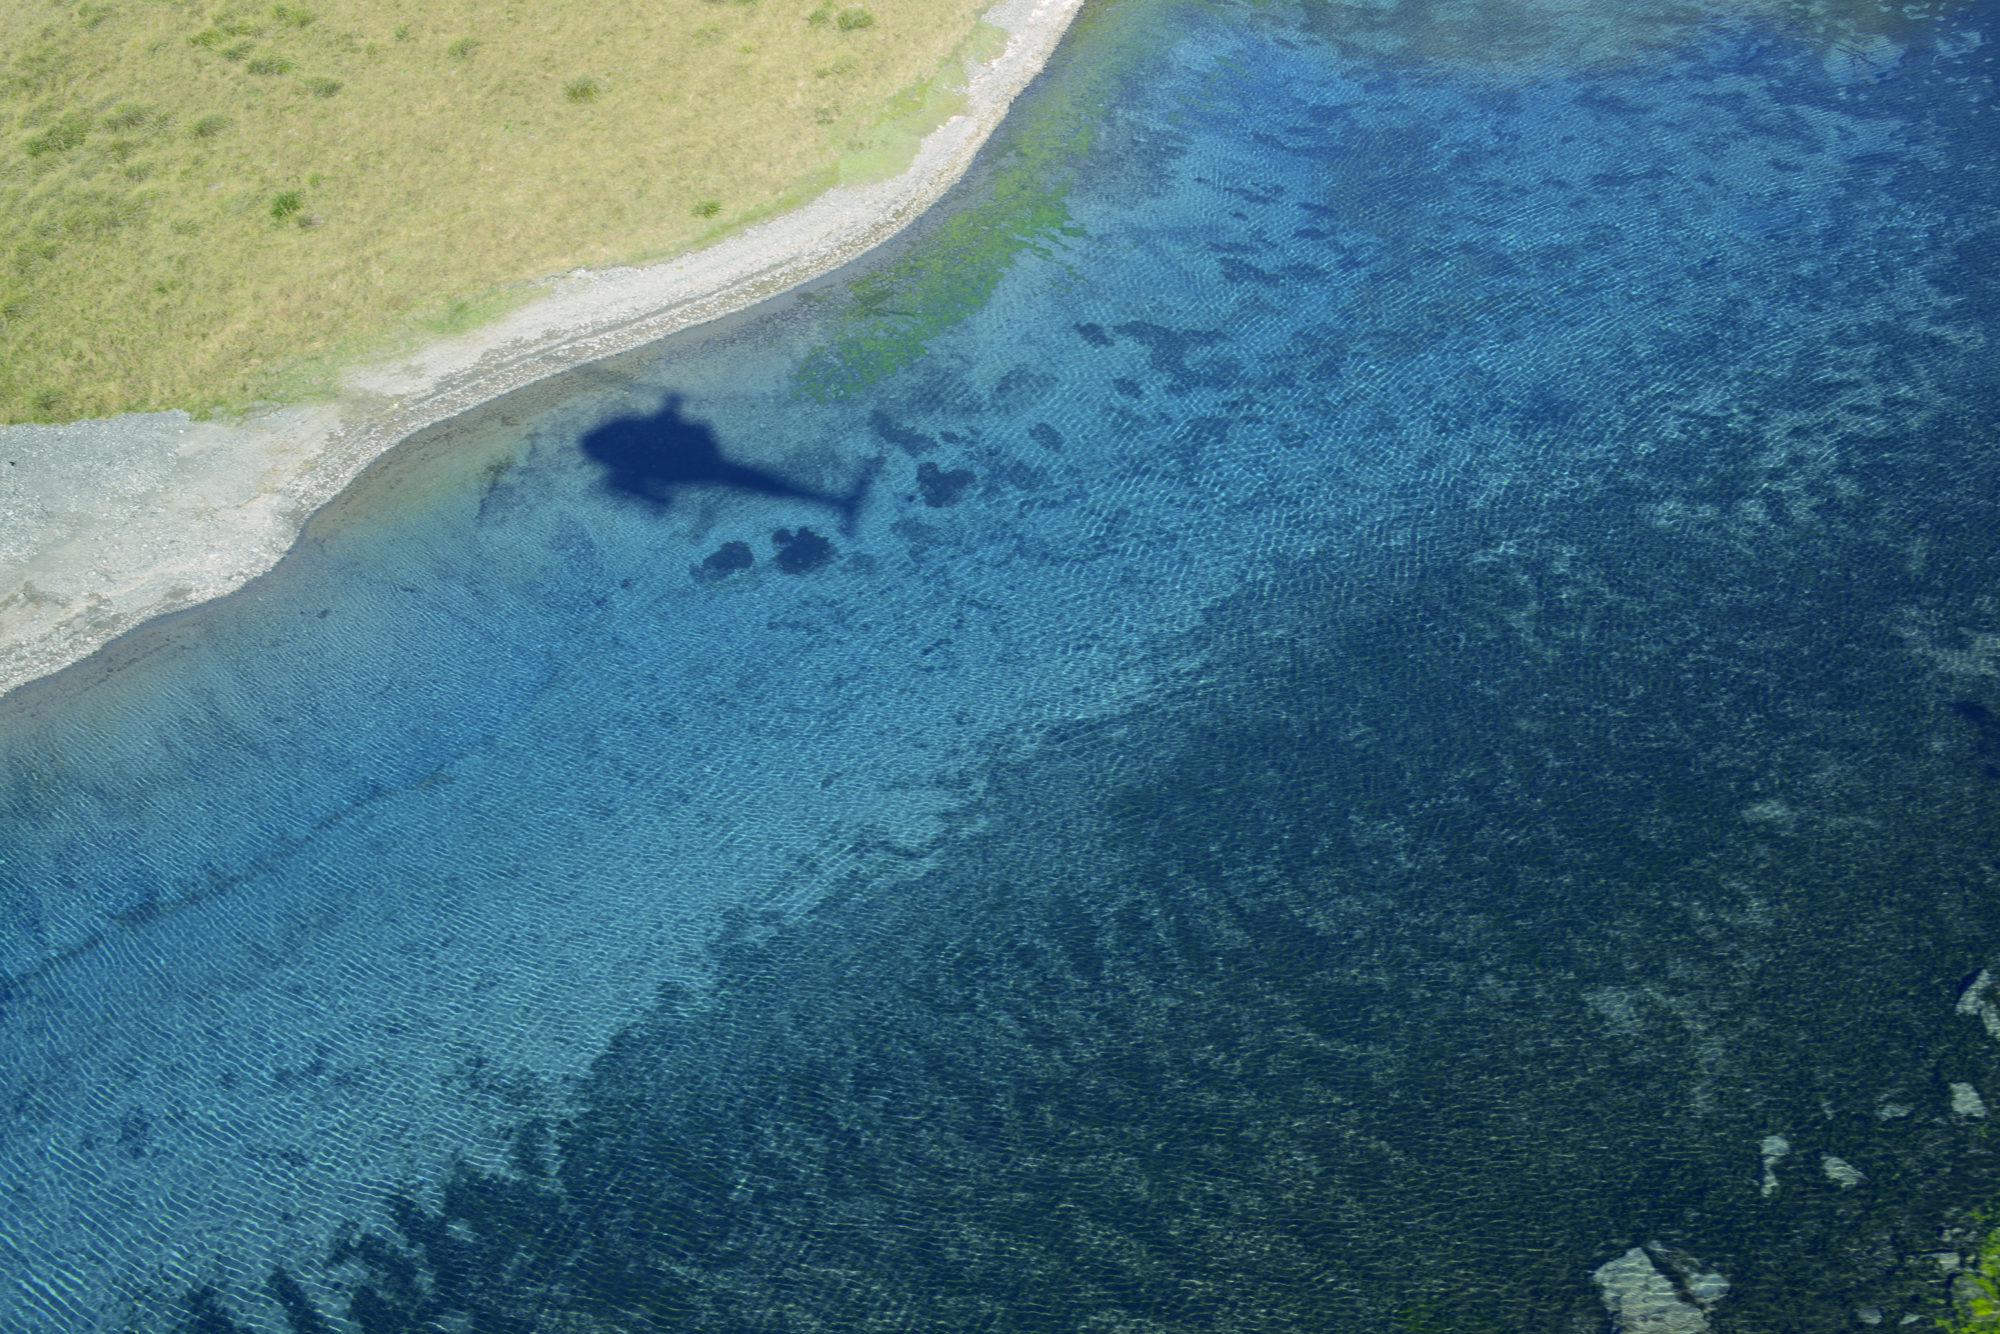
(1386, 719)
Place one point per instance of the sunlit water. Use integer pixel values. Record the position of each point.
(1406, 695)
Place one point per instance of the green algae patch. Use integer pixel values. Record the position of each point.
(888, 317)
(1975, 1290)
(894, 312)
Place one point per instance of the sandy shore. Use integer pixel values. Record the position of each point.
(107, 524)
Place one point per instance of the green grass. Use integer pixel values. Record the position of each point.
(204, 206)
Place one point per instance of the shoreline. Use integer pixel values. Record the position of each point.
(173, 512)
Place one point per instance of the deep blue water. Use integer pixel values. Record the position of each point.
(1408, 689)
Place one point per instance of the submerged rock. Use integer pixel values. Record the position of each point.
(1703, 1287)
(1642, 1300)
(1773, 1148)
(1977, 1001)
(1965, 1101)
(1841, 1172)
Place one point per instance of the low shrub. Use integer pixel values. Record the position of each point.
(855, 17)
(270, 65)
(208, 127)
(707, 208)
(65, 134)
(462, 48)
(286, 204)
(295, 16)
(321, 87)
(131, 115)
(583, 88)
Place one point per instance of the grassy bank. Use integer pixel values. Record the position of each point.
(197, 202)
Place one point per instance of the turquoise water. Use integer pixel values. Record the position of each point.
(1407, 690)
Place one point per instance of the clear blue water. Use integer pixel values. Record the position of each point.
(1409, 688)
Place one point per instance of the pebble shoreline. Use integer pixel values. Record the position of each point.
(108, 524)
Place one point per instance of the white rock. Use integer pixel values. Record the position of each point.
(1707, 1289)
(1977, 1001)
(1841, 1172)
(1701, 1286)
(1642, 1300)
(1773, 1148)
(1965, 1101)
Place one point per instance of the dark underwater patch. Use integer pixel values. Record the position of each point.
(725, 560)
(894, 433)
(941, 489)
(1986, 732)
(800, 551)
(1206, 1021)
(301, 1316)
(1168, 349)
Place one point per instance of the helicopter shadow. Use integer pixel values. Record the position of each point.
(649, 458)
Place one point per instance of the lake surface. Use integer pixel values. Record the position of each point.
(1365, 675)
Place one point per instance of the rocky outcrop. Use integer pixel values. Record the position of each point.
(1642, 1298)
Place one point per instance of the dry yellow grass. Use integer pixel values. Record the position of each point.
(194, 199)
